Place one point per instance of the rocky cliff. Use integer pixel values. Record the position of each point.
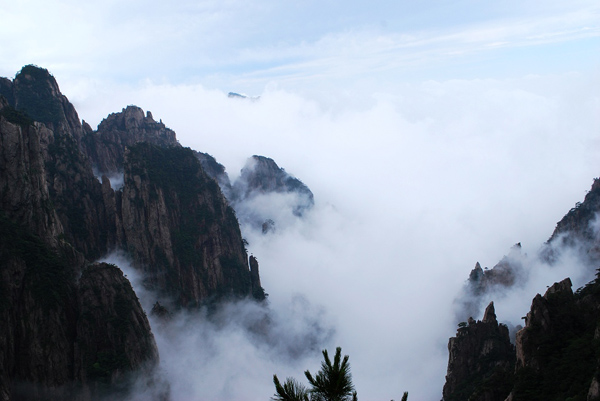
(509, 271)
(58, 327)
(54, 175)
(73, 329)
(557, 353)
(262, 181)
(106, 146)
(578, 229)
(578, 232)
(112, 331)
(180, 229)
(262, 175)
(558, 349)
(481, 361)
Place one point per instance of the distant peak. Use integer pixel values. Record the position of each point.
(235, 95)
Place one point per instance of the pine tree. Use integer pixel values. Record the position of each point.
(290, 391)
(334, 381)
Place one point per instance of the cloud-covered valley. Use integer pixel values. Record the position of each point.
(412, 187)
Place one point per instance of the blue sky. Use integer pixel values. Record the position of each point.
(249, 44)
(434, 134)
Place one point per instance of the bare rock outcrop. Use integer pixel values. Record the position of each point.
(22, 161)
(508, 272)
(114, 339)
(578, 230)
(74, 331)
(54, 174)
(64, 338)
(263, 181)
(481, 357)
(179, 227)
(262, 175)
(541, 319)
(556, 355)
(106, 146)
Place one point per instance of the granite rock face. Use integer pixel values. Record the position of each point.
(579, 229)
(481, 358)
(540, 318)
(262, 175)
(508, 272)
(556, 355)
(557, 350)
(180, 229)
(72, 329)
(57, 329)
(106, 146)
(49, 150)
(262, 182)
(113, 333)
(22, 152)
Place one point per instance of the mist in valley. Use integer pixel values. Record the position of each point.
(407, 200)
(433, 136)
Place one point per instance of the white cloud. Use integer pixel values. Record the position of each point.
(415, 177)
(251, 44)
(411, 188)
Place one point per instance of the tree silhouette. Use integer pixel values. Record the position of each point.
(334, 381)
(290, 391)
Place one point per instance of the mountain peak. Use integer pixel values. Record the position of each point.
(489, 316)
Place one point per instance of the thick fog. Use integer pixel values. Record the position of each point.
(411, 188)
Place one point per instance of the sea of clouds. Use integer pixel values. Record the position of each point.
(413, 185)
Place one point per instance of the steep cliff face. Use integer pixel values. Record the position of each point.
(262, 175)
(216, 171)
(179, 227)
(56, 328)
(113, 333)
(557, 350)
(22, 161)
(556, 355)
(38, 310)
(481, 361)
(50, 151)
(106, 146)
(263, 182)
(75, 331)
(579, 228)
(509, 271)
(35, 92)
(189, 229)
